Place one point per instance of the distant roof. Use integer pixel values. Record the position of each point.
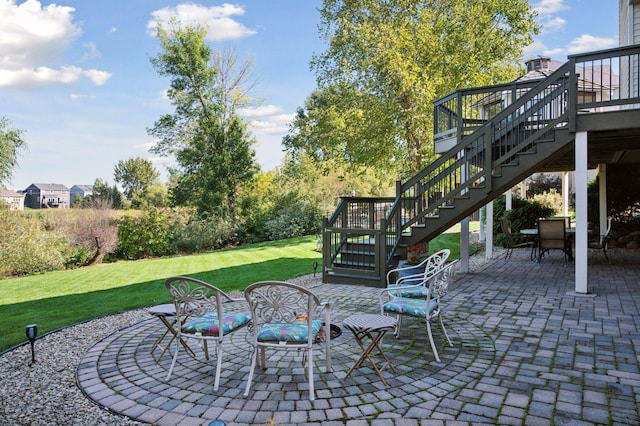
(539, 68)
(50, 186)
(10, 193)
(84, 188)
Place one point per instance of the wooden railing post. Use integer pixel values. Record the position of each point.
(572, 95)
(488, 157)
(381, 250)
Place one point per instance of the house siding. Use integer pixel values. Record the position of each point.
(15, 200)
(46, 195)
(629, 34)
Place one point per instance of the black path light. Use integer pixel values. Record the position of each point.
(32, 332)
(315, 267)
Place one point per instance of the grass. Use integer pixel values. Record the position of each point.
(57, 299)
(61, 298)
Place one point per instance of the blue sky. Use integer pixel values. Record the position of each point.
(75, 74)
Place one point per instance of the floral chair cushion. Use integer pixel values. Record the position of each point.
(399, 290)
(413, 307)
(208, 324)
(295, 332)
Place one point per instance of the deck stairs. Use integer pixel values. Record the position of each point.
(366, 236)
(497, 136)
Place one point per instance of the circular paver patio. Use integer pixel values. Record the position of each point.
(120, 374)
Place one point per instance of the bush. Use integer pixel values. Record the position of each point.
(143, 236)
(293, 221)
(551, 199)
(25, 246)
(202, 235)
(523, 214)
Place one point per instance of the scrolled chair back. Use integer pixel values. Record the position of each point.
(193, 298)
(281, 302)
(436, 261)
(439, 283)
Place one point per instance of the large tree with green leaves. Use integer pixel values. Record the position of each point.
(210, 142)
(136, 175)
(387, 61)
(11, 143)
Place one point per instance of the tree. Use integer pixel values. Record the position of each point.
(386, 63)
(11, 143)
(136, 175)
(104, 195)
(209, 141)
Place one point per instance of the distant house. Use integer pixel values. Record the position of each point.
(79, 191)
(46, 195)
(14, 199)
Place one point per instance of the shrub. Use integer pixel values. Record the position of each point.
(551, 199)
(523, 214)
(25, 246)
(92, 233)
(143, 236)
(202, 235)
(293, 221)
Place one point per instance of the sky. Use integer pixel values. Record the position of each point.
(75, 75)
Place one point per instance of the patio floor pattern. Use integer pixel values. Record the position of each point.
(525, 351)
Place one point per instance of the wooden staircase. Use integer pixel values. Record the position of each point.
(499, 135)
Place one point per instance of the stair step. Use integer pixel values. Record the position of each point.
(355, 265)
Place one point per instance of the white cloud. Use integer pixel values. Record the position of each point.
(76, 96)
(92, 51)
(553, 24)
(217, 20)
(548, 7)
(533, 49)
(98, 77)
(589, 43)
(554, 53)
(259, 111)
(267, 119)
(31, 38)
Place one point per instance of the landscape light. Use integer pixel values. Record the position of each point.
(32, 332)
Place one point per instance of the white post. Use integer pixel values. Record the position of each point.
(489, 234)
(508, 197)
(566, 192)
(464, 245)
(581, 241)
(602, 197)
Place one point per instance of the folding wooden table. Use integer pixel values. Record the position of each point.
(166, 314)
(372, 327)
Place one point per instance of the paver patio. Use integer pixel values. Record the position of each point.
(525, 351)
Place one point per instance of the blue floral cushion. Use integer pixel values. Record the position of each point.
(399, 290)
(208, 324)
(413, 307)
(295, 332)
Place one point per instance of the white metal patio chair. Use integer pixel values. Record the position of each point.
(285, 316)
(427, 309)
(200, 309)
(406, 278)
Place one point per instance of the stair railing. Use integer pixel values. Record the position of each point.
(359, 223)
(471, 163)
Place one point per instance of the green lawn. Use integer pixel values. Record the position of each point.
(61, 298)
(58, 299)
